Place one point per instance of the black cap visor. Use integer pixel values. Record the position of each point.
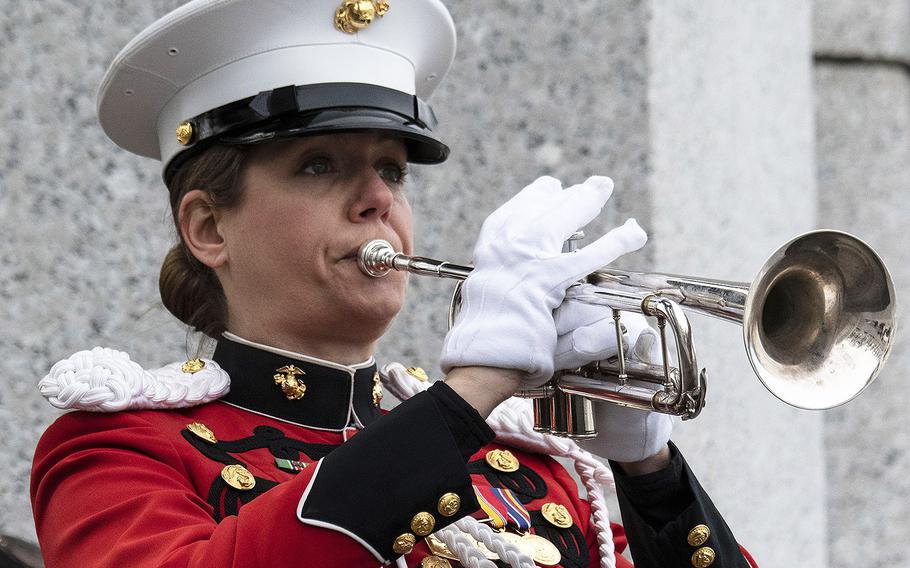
(291, 112)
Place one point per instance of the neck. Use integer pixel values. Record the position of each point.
(347, 353)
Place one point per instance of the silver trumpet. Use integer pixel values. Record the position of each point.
(818, 323)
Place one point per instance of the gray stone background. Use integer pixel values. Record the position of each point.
(729, 126)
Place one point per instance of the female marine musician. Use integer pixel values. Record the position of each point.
(285, 130)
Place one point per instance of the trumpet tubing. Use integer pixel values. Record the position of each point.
(818, 323)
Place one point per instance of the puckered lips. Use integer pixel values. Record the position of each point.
(353, 253)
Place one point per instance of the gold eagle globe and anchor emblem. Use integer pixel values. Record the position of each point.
(377, 390)
(355, 15)
(292, 387)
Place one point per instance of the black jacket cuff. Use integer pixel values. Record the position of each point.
(410, 462)
(660, 513)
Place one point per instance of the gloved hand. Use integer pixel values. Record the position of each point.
(587, 334)
(520, 276)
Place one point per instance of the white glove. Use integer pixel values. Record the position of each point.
(587, 334)
(520, 276)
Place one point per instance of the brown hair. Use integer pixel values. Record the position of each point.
(189, 289)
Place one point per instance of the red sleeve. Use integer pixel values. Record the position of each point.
(110, 490)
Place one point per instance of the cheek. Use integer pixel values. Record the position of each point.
(266, 238)
(404, 228)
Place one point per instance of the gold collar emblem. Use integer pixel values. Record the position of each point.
(291, 386)
(355, 15)
(377, 389)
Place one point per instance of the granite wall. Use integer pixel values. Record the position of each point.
(862, 84)
(704, 112)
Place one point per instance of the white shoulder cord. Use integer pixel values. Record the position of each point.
(107, 380)
(513, 423)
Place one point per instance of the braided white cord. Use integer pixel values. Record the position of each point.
(462, 547)
(514, 425)
(106, 380)
(402, 385)
(507, 551)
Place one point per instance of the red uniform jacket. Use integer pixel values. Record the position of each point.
(143, 488)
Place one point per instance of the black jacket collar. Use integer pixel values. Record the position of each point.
(336, 395)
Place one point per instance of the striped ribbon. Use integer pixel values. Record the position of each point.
(492, 506)
(516, 511)
(501, 506)
(290, 465)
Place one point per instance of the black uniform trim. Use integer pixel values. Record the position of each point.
(570, 541)
(525, 483)
(330, 396)
(405, 462)
(226, 500)
(658, 511)
(274, 439)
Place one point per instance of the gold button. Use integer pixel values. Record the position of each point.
(448, 504)
(422, 523)
(703, 557)
(699, 535)
(238, 477)
(202, 431)
(418, 374)
(434, 561)
(502, 460)
(184, 133)
(557, 515)
(193, 366)
(404, 543)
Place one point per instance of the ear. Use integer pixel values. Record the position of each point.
(198, 220)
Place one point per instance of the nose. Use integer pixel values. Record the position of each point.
(374, 198)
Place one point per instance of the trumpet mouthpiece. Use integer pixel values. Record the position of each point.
(374, 258)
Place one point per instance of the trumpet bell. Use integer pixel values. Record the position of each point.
(819, 319)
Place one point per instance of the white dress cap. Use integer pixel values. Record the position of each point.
(337, 65)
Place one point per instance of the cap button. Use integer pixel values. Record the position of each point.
(185, 133)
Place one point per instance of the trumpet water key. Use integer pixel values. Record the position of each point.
(818, 323)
